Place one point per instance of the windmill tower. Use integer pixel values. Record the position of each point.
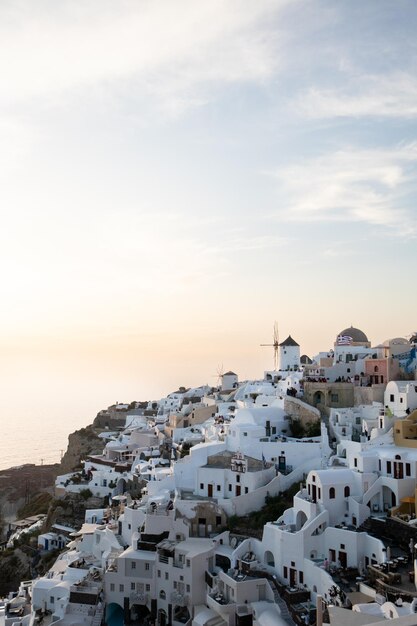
(274, 345)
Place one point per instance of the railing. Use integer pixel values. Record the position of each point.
(138, 598)
(179, 599)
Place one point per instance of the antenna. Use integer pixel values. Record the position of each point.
(274, 345)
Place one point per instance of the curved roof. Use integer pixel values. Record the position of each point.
(305, 360)
(397, 341)
(335, 477)
(358, 336)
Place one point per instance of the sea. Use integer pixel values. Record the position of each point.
(39, 440)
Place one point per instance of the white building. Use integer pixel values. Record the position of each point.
(400, 397)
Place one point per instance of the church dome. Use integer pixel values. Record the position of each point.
(358, 336)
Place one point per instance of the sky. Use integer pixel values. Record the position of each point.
(176, 176)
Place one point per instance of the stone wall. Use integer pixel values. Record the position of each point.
(300, 410)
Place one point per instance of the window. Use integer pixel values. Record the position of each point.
(391, 398)
(52, 599)
(132, 586)
(166, 576)
(407, 469)
(159, 573)
(332, 493)
(188, 563)
(388, 467)
(162, 594)
(129, 526)
(334, 397)
(230, 487)
(401, 400)
(147, 567)
(246, 490)
(301, 577)
(245, 434)
(148, 587)
(218, 487)
(111, 586)
(347, 491)
(219, 518)
(133, 565)
(175, 584)
(379, 464)
(188, 588)
(355, 462)
(238, 479)
(201, 485)
(285, 571)
(121, 588)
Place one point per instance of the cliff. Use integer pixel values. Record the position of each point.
(81, 443)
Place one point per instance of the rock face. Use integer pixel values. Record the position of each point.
(81, 443)
(14, 567)
(19, 484)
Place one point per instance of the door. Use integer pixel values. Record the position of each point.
(343, 559)
(293, 577)
(314, 493)
(238, 490)
(398, 470)
(210, 490)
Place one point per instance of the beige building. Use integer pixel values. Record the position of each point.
(197, 416)
(329, 395)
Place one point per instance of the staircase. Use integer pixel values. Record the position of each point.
(285, 614)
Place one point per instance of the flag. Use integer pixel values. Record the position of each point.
(344, 340)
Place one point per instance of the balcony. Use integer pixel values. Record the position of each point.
(179, 599)
(138, 598)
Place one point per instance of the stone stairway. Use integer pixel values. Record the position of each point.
(285, 614)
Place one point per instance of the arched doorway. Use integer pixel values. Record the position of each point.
(269, 558)
(114, 615)
(162, 618)
(121, 487)
(318, 398)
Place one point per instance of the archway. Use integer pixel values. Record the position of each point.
(162, 618)
(269, 558)
(114, 615)
(300, 520)
(318, 398)
(389, 498)
(121, 487)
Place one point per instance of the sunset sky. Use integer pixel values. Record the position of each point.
(176, 175)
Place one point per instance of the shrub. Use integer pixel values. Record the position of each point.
(86, 493)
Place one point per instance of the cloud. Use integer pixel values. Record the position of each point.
(368, 186)
(392, 95)
(167, 47)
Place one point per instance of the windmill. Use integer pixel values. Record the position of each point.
(274, 345)
(219, 375)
